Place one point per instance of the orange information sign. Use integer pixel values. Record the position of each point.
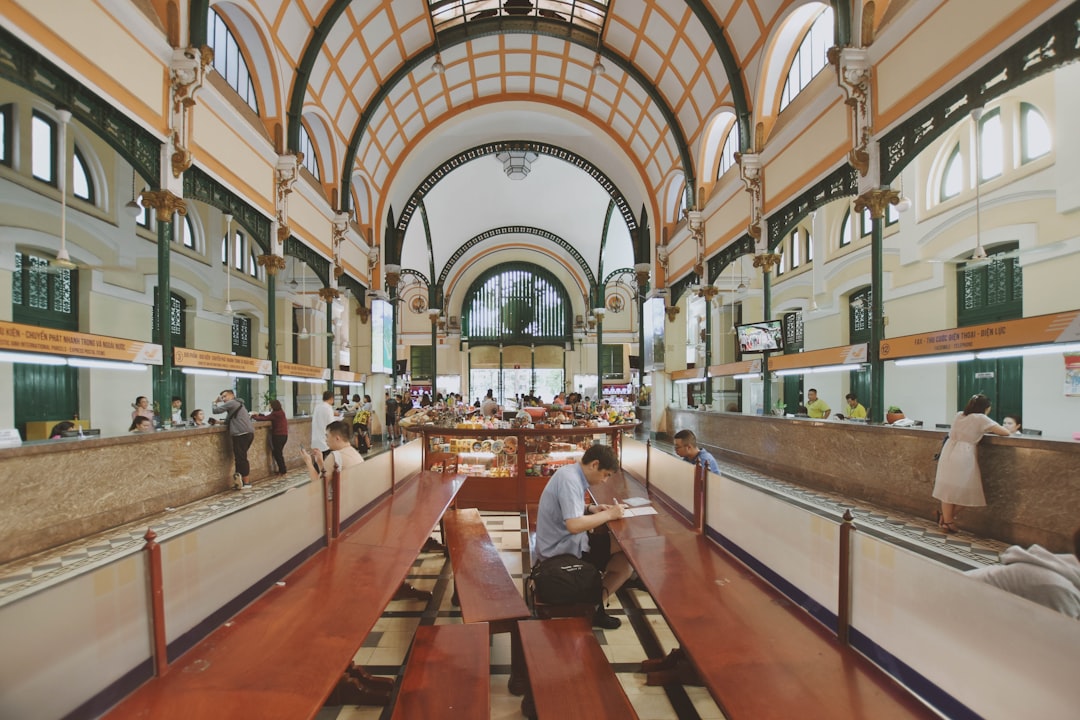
(33, 339)
(842, 355)
(735, 368)
(303, 371)
(688, 374)
(1038, 330)
(188, 357)
(343, 376)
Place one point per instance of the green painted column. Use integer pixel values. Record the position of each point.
(599, 358)
(331, 362)
(165, 205)
(766, 376)
(434, 353)
(271, 319)
(708, 351)
(876, 202)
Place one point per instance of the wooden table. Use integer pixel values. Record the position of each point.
(282, 655)
(759, 656)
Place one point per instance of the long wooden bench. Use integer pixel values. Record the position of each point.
(569, 676)
(282, 655)
(448, 675)
(486, 593)
(758, 656)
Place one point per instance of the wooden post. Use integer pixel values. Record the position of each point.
(843, 611)
(157, 603)
(700, 474)
(393, 473)
(648, 458)
(335, 502)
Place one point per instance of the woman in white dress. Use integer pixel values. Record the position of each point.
(958, 480)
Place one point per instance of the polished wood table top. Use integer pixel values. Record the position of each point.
(448, 675)
(759, 656)
(282, 655)
(485, 590)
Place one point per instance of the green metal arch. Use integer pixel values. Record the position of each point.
(198, 185)
(318, 264)
(515, 230)
(537, 271)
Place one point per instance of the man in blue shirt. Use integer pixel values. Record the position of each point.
(687, 448)
(563, 522)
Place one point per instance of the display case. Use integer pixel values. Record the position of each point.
(506, 469)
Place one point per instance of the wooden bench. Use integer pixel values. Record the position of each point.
(486, 593)
(758, 656)
(569, 676)
(448, 674)
(282, 655)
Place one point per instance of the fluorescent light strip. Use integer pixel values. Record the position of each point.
(105, 364)
(836, 368)
(687, 381)
(934, 359)
(345, 383)
(293, 378)
(1052, 349)
(793, 371)
(747, 376)
(253, 376)
(204, 371)
(18, 357)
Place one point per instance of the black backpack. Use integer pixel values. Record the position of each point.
(566, 580)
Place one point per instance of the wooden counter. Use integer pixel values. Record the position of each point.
(1031, 484)
(56, 491)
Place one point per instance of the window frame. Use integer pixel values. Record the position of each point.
(78, 160)
(7, 134)
(847, 229)
(804, 59)
(728, 149)
(311, 158)
(980, 132)
(232, 51)
(53, 161)
(954, 156)
(1026, 108)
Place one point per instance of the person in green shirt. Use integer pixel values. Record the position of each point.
(855, 410)
(817, 408)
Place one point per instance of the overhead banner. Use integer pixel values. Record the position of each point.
(34, 339)
(303, 371)
(187, 357)
(842, 355)
(344, 376)
(1038, 330)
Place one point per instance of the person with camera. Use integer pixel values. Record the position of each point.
(241, 432)
(563, 522)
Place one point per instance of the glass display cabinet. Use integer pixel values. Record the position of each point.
(506, 469)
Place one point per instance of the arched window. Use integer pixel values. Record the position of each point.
(311, 162)
(82, 186)
(43, 148)
(796, 248)
(183, 233)
(229, 61)
(780, 263)
(952, 179)
(731, 146)
(991, 146)
(810, 58)
(516, 304)
(846, 229)
(5, 134)
(1035, 140)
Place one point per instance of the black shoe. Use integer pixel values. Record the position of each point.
(602, 620)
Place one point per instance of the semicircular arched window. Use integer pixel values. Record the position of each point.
(516, 304)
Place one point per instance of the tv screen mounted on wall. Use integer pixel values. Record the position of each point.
(760, 336)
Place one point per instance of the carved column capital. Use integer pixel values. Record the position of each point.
(329, 294)
(766, 261)
(876, 201)
(271, 262)
(164, 203)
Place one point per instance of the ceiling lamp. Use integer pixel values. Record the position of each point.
(437, 67)
(598, 67)
(516, 163)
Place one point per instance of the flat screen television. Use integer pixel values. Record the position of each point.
(760, 336)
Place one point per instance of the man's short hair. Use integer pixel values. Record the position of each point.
(228, 390)
(328, 395)
(812, 390)
(341, 429)
(687, 436)
(604, 454)
(851, 396)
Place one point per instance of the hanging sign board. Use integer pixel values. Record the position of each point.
(188, 357)
(34, 339)
(303, 371)
(345, 376)
(735, 368)
(842, 355)
(1039, 330)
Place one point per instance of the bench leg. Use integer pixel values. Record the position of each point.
(358, 687)
(528, 709)
(408, 592)
(519, 679)
(682, 672)
(667, 662)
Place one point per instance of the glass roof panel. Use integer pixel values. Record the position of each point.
(588, 15)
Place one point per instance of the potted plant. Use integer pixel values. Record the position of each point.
(893, 414)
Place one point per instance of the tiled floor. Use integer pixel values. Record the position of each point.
(385, 650)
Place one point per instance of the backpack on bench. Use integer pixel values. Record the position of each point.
(566, 580)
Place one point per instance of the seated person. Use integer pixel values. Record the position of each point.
(342, 454)
(1037, 574)
(141, 424)
(177, 410)
(855, 410)
(563, 522)
(687, 448)
(816, 407)
(1012, 424)
(198, 418)
(60, 428)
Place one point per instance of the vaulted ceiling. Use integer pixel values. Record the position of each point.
(362, 76)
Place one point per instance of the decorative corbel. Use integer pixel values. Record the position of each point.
(187, 71)
(286, 172)
(853, 75)
(340, 228)
(672, 312)
(329, 294)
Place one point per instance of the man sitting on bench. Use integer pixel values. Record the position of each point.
(563, 522)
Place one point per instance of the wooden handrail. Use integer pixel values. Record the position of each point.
(843, 606)
(157, 602)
